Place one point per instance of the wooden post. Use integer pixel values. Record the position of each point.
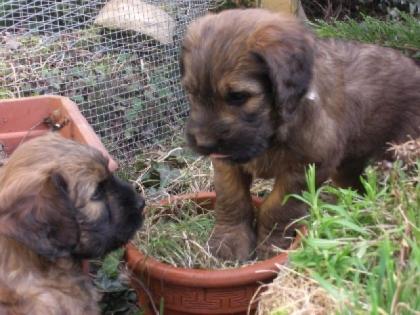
(289, 6)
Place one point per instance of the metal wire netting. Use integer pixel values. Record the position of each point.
(117, 59)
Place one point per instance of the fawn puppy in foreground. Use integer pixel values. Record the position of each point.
(59, 204)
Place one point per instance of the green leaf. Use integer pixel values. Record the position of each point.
(111, 263)
(324, 243)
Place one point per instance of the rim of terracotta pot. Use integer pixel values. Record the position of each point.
(76, 117)
(259, 271)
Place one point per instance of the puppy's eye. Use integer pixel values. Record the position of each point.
(99, 192)
(237, 98)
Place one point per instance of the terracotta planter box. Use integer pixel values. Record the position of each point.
(25, 118)
(194, 291)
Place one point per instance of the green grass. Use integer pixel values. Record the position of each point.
(177, 234)
(402, 34)
(365, 250)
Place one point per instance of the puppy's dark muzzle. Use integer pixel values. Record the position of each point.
(132, 203)
(136, 215)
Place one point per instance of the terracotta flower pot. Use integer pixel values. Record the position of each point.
(24, 118)
(195, 291)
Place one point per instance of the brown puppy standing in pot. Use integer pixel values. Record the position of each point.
(59, 204)
(268, 98)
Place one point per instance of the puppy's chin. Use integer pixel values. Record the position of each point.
(238, 153)
(241, 159)
(106, 239)
(246, 155)
(242, 156)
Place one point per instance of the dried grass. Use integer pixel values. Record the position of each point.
(177, 234)
(408, 152)
(293, 293)
(192, 174)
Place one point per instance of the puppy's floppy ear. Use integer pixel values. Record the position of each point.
(286, 53)
(46, 222)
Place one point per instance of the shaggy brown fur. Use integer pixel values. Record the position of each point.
(59, 204)
(268, 98)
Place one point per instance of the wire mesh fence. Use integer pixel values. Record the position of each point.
(117, 59)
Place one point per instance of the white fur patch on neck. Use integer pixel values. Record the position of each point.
(312, 94)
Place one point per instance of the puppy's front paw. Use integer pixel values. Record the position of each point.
(235, 242)
(270, 241)
(270, 247)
